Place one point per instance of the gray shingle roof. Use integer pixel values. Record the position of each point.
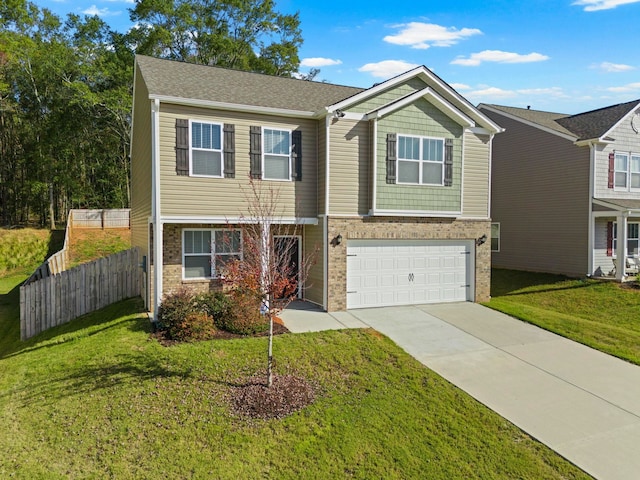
(583, 126)
(200, 82)
(596, 123)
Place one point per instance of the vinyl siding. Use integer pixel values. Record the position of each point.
(475, 197)
(540, 196)
(388, 96)
(312, 239)
(141, 171)
(419, 118)
(626, 140)
(194, 196)
(349, 168)
(322, 166)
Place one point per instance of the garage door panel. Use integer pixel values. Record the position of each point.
(395, 272)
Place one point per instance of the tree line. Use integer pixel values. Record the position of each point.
(66, 91)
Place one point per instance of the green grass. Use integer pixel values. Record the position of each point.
(97, 398)
(87, 244)
(603, 315)
(22, 250)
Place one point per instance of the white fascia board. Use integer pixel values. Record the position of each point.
(413, 213)
(614, 207)
(481, 131)
(435, 99)
(529, 123)
(594, 141)
(237, 220)
(234, 107)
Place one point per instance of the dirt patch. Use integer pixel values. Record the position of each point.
(87, 244)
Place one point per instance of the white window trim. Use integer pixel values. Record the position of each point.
(614, 243)
(420, 161)
(498, 237)
(212, 254)
(191, 149)
(264, 154)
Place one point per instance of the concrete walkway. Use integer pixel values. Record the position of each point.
(582, 403)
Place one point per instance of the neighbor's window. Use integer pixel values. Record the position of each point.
(635, 171)
(633, 238)
(495, 237)
(620, 167)
(420, 160)
(206, 149)
(205, 252)
(277, 154)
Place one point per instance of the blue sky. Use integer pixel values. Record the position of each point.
(564, 56)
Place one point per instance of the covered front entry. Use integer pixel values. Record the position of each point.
(404, 272)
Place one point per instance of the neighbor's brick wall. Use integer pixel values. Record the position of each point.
(404, 228)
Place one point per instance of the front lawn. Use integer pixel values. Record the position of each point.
(603, 315)
(98, 398)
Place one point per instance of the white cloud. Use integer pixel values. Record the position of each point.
(319, 62)
(488, 93)
(550, 92)
(595, 5)
(460, 86)
(613, 67)
(630, 87)
(498, 56)
(100, 12)
(387, 68)
(424, 35)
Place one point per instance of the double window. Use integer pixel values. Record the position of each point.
(420, 160)
(205, 252)
(206, 149)
(276, 150)
(627, 171)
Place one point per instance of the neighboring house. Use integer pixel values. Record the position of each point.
(566, 190)
(390, 183)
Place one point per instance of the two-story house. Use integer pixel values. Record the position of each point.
(390, 183)
(566, 190)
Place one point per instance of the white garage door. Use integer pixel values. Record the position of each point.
(404, 272)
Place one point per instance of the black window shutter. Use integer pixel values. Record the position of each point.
(612, 159)
(255, 152)
(182, 146)
(448, 162)
(229, 150)
(296, 139)
(609, 239)
(392, 139)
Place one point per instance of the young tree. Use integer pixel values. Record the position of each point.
(271, 269)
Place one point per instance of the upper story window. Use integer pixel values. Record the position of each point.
(206, 149)
(276, 154)
(626, 171)
(206, 251)
(420, 160)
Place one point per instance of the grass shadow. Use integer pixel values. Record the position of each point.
(56, 242)
(506, 282)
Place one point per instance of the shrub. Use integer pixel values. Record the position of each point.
(195, 326)
(244, 315)
(173, 310)
(215, 304)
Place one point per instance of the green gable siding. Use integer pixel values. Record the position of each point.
(400, 91)
(419, 118)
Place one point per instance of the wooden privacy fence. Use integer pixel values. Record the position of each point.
(60, 298)
(114, 218)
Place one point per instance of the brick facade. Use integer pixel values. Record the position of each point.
(392, 228)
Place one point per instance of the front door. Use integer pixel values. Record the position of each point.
(287, 250)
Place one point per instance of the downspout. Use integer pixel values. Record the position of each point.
(489, 197)
(325, 225)
(155, 212)
(591, 221)
(374, 146)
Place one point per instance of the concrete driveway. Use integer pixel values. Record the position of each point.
(582, 403)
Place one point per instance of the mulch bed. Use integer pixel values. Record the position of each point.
(287, 394)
